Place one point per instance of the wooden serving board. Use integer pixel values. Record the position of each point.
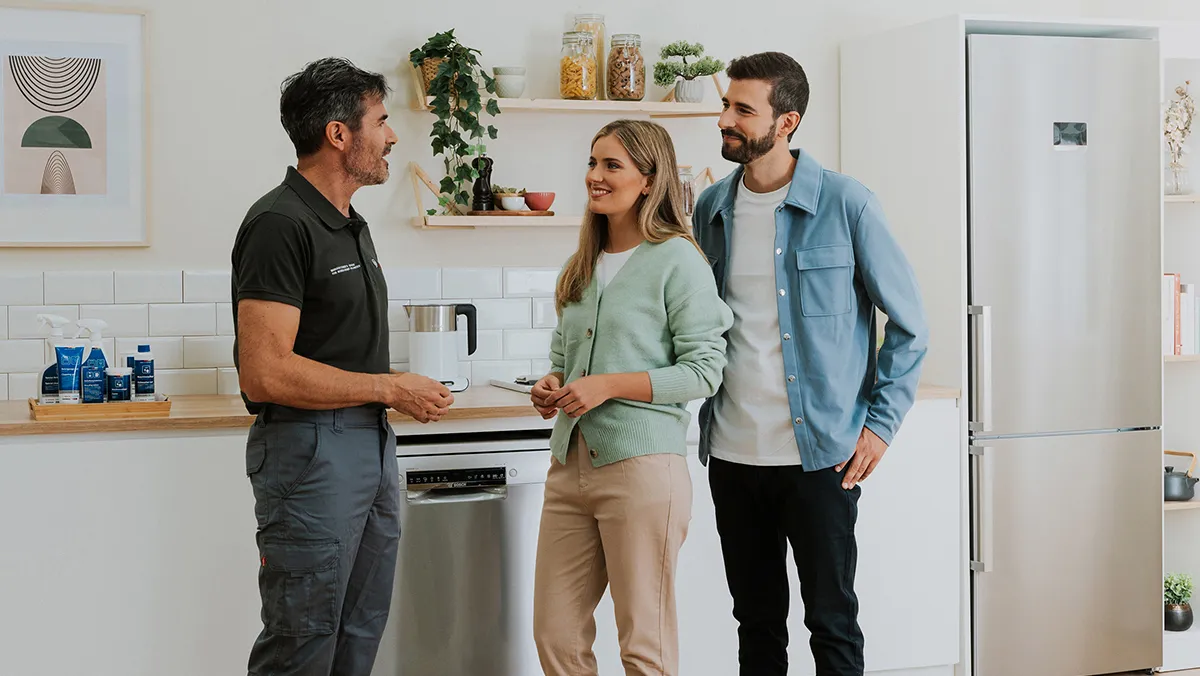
(107, 411)
(502, 212)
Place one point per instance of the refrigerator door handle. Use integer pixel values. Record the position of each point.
(981, 369)
(982, 553)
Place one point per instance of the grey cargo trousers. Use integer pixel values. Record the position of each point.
(326, 498)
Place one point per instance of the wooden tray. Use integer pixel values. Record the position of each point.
(109, 411)
(502, 212)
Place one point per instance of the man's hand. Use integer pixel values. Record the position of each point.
(423, 399)
(582, 395)
(542, 391)
(867, 455)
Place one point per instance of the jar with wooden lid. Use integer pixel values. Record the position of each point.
(626, 76)
(594, 24)
(578, 67)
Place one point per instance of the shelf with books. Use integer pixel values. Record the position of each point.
(1180, 315)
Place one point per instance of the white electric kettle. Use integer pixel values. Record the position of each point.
(433, 341)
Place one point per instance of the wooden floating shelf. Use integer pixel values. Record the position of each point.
(1181, 357)
(1194, 198)
(656, 109)
(1175, 506)
(469, 222)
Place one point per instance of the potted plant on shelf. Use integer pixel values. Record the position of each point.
(1177, 592)
(510, 199)
(454, 81)
(684, 75)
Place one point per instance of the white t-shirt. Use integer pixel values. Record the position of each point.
(608, 265)
(752, 422)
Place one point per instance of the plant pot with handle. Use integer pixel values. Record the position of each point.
(1179, 486)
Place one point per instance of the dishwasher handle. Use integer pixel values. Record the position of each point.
(452, 496)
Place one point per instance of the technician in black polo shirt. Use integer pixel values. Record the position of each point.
(311, 318)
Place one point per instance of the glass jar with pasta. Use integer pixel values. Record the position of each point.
(578, 71)
(594, 24)
(626, 76)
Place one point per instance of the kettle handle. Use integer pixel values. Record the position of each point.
(1184, 454)
(468, 310)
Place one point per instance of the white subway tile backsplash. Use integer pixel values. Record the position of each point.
(189, 319)
(122, 320)
(484, 371)
(488, 345)
(22, 356)
(398, 347)
(526, 282)
(151, 286)
(21, 288)
(23, 322)
(206, 286)
(534, 344)
(78, 288)
(225, 319)
(189, 381)
(397, 315)
(3, 322)
(227, 382)
(508, 313)
(465, 371)
(541, 367)
(414, 282)
(167, 351)
(3, 386)
(208, 352)
(544, 314)
(22, 386)
(472, 283)
(402, 368)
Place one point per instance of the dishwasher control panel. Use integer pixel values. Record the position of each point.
(475, 477)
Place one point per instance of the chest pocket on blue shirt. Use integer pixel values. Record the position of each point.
(826, 279)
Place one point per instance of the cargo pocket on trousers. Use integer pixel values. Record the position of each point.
(299, 582)
(256, 452)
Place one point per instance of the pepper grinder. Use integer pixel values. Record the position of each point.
(483, 185)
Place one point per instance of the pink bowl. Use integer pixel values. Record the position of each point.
(539, 201)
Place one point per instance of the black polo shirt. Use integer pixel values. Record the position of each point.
(295, 247)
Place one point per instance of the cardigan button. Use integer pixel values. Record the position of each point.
(589, 333)
(583, 372)
(595, 454)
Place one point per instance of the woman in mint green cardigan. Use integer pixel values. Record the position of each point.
(640, 334)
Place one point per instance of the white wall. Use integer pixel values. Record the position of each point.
(217, 144)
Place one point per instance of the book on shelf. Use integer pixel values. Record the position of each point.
(1181, 316)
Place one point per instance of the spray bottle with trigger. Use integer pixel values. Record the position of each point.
(94, 385)
(48, 380)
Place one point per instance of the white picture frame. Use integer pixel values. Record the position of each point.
(74, 121)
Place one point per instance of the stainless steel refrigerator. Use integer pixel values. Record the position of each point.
(1065, 354)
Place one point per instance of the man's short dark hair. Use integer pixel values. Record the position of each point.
(327, 90)
(789, 84)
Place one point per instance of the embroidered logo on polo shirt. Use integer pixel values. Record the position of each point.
(349, 267)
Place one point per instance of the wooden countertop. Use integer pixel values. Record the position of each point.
(210, 412)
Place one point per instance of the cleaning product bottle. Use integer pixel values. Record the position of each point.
(143, 374)
(48, 383)
(94, 381)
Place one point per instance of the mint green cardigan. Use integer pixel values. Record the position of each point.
(662, 315)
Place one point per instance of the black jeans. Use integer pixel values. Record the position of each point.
(759, 511)
(327, 502)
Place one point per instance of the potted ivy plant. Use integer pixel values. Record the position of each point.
(456, 84)
(684, 75)
(1177, 592)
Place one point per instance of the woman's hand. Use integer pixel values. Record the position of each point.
(542, 391)
(582, 395)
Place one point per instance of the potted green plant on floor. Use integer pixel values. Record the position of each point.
(455, 84)
(1177, 593)
(685, 76)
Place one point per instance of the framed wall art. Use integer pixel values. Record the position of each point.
(73, 127)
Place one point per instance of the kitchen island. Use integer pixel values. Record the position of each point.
(130, 544)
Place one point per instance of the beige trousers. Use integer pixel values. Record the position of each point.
(620, 526)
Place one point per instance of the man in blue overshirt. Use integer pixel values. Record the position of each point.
(803, 256)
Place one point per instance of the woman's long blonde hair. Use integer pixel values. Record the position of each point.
(660, 213)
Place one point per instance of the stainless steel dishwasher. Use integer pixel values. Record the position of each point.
(470, 510)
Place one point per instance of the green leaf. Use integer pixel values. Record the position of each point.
(493, 108)
(431, 212)
(492, 132)
(447, 184)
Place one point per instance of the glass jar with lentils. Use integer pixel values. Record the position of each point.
(626, 76)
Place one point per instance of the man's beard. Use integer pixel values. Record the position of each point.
(365, 167)
(749, 149)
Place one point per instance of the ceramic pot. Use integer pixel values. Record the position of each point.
(1178, 617)
(689, 91)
